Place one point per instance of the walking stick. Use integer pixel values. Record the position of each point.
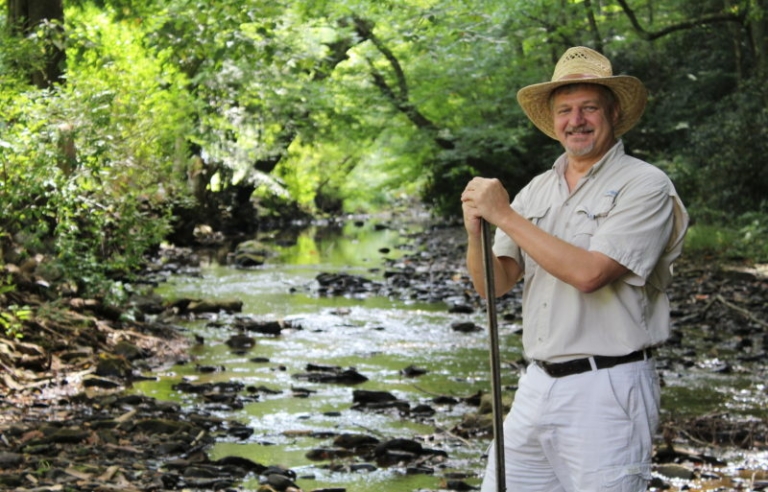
(498, 409)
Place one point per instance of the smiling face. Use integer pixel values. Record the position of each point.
(584, 118)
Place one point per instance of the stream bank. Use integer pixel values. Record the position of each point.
(98, 438)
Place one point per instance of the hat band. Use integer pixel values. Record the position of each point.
(576, 76)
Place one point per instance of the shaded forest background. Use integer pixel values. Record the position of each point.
(125, 123)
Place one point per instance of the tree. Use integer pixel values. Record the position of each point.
(42, 21)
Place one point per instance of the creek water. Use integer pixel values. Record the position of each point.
(377, 336)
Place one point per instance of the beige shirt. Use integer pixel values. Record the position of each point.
(624, 208)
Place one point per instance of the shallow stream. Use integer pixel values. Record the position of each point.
(380, 338)
(377, 336)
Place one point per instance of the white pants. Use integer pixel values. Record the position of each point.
(587, 432)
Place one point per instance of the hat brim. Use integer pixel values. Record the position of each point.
(630, 92)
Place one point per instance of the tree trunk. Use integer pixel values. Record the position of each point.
(24, 17)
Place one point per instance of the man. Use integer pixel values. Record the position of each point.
(594, 239)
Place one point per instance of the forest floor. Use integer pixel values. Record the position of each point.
(67, 423)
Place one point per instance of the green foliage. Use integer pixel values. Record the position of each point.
(12, 320)
(745, 237)
(88, 167)
(349, 106)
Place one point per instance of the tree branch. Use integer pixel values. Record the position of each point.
(400, 97)
(699, 21)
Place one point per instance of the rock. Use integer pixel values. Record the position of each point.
(366, 397)
(114, 366)
(347, 376)
(672, 470)
(324, 454)
(413, 371)
(241, 342)
(273, 328)
(128, 351)
(465, 327)
(251, 253)
(91, 381)
(355, 442)
(10, 460)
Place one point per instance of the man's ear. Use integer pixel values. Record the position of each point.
(616, 114)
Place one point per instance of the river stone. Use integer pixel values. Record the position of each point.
(399, 444)
(67, 436)
(465, 327)
(348, 376)
(198, 307)
(279, 482)
(8, 460)
(264, 327)
(672, 470)
(355, 441)
(241, 342)
(323, 454)
(128, 350)
(366, 397)
(246, 464)
(162, 426)
(113, 366)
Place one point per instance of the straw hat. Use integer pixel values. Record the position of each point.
(583, 65)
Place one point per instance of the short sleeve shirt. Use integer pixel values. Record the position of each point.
(624, 208)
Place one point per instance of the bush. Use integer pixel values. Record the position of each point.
(88, 167)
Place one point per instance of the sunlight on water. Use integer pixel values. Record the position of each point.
(378, 337)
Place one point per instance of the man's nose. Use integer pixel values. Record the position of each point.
(577, 117)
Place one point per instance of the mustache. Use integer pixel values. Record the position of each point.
(579, 129)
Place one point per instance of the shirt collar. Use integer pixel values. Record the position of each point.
(616, 150)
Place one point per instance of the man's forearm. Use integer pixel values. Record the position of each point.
(583, 269)
(505, 273)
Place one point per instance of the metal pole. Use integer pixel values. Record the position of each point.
(493, 331)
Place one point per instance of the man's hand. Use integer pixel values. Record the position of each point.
(483, 199)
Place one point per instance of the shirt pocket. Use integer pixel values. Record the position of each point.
(538, 218)
(589, 216)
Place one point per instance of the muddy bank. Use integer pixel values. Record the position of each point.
(69, 370)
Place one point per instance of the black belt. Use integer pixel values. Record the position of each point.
(577, 366)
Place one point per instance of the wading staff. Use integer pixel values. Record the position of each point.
(493, 331)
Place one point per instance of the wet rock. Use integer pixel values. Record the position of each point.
(465, 327)
(419, 470)
(251, 253)
(359, 443)
(113, 366)
(128, 351)
(459, 485)
(249, 466)
(339, 284)
(273, 328)
(423, 411)
(241, 342)
(325, 454)
(671, 470)
(91, 381)
(197, 306)
(346, 376)
(161, 426)
(366, 397)
(201, 388)
(406, 445)
(279, 482)
(413, 371)
(445, 400)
